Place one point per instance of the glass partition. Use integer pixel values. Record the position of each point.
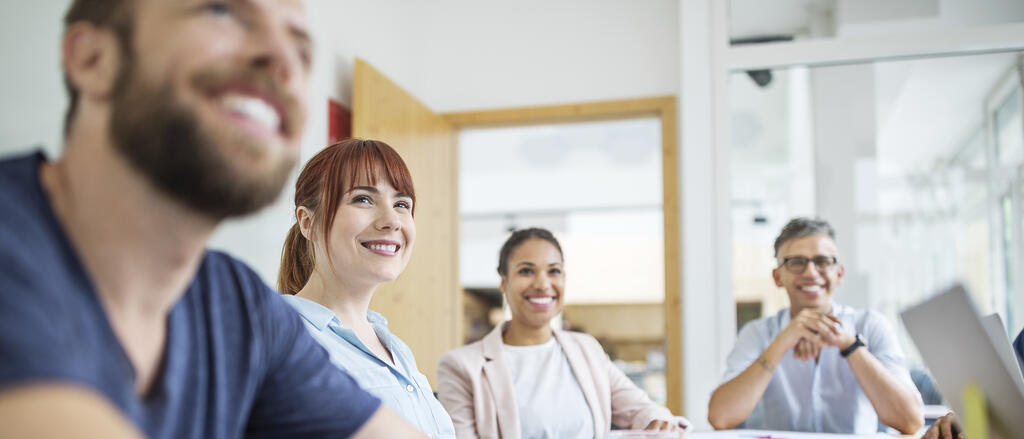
(759, 21)
(917, 163)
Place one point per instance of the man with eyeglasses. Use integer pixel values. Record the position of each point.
(818, 365)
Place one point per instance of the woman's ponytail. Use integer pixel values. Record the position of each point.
(296, 262)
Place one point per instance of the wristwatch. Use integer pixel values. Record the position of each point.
(858, 342)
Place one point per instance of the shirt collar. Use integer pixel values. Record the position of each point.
(839, 309)
(376, 319)
(313, 312)
(321, 316)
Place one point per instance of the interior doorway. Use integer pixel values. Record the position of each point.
(426, 305)
(603, 177)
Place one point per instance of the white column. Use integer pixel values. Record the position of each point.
(708, 317)
(845, 156)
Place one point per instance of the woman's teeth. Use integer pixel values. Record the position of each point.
(541, 300)
(390, 248)
(253, 108)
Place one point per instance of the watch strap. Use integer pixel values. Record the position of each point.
(857, 342)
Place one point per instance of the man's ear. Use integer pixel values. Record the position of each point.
(777, 277)
(92, 58)
(840, 271)
(304, 217)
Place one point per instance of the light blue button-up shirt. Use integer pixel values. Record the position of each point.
(822, 396)
(401, 387)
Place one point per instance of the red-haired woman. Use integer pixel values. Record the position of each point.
(354, 230)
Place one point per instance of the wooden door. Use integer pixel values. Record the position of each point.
(423, 305)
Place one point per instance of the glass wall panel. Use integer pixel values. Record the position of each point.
(896, 155)
(757, 21)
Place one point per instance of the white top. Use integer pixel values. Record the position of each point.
(822, 396)
(549, 398)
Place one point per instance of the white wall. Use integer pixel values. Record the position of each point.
(32, 98)
(476, 54)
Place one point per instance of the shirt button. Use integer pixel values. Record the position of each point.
(409, 387)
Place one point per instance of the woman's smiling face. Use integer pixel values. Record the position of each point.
(372, 237)
(534, 282)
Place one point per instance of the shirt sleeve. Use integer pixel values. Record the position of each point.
(882, 343)
(303, 394)
(631, 406)
(749, 345)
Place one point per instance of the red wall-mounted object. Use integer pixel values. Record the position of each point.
(339, 121)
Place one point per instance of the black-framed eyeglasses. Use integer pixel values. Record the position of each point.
(797, 264)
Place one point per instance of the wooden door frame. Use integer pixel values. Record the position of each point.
(664, 108)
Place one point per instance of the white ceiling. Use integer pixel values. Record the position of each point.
(925, 109)
(850, 18)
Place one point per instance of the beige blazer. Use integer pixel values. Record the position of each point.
(475, 386)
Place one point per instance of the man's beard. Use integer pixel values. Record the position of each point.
(166, 143)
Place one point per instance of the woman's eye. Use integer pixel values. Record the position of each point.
(555, 271)
(525, 271)
(361, 199)
(218, 8)
(403, 205)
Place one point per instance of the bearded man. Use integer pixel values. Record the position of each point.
(115, 321)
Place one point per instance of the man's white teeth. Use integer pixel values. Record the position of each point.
(253, 108)
(390, 248)
(541, 300)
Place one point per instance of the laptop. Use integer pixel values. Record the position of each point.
(997, 333)
(958, 351)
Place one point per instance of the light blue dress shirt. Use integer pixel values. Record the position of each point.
(401, 387)
(822, 396)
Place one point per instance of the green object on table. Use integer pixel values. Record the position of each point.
(975, 412)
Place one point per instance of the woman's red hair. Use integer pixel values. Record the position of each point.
(320, 187)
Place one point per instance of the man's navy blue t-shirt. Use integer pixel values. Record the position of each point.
(238, 361)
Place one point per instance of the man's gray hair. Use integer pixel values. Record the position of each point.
(801, 227)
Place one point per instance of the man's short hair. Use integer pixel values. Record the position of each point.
(801, 227)
(112, 14)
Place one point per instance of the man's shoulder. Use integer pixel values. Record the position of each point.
(865, 319)
(38, 264)
(25, 207)
(768, 323)
(218, 261)
(21, 166)
(19, 174)
(219, 268)
(232, 295)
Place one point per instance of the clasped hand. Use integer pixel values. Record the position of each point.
(811, 330)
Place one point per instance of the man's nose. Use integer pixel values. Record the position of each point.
(273, 51)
